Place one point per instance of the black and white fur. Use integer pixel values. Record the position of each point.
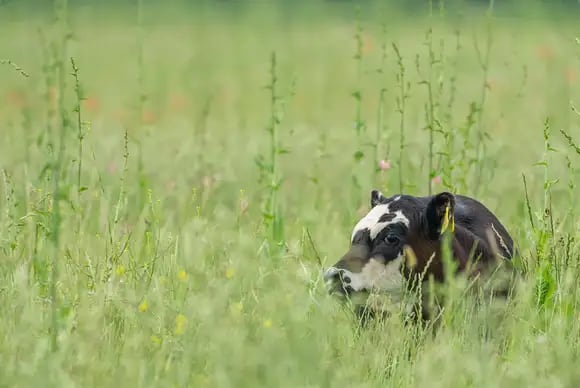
(377, 262)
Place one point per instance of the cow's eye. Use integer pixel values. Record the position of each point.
(391, 239)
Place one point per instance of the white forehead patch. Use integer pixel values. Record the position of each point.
(379, 226)
(371, 220)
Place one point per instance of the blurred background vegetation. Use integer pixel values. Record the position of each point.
(148, 263)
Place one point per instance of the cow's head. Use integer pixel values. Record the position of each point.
(376, 261)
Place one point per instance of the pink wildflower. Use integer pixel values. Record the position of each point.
(112, 168)
(436, 179)
(385, 165)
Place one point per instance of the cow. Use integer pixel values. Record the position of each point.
(400, 244)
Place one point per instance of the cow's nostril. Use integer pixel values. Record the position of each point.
(331, 274)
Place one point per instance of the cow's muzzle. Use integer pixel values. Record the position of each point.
(337, 281)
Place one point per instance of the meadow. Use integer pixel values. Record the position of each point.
(174, 178)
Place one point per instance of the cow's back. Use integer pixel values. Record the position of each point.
(477, 218)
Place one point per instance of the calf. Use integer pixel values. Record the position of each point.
(399, 244)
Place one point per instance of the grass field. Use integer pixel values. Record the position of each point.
(170, 196)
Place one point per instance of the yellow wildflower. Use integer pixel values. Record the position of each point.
(156, 340)
(120, 270)
(182, 275)
(143, 306)
(268, 323)
(230, 273)
(180, 323)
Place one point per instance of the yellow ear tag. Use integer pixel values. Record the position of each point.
(452, 223)
(410, 256)
(448, 221)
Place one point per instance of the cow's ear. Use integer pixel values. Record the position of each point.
(439, 215)
(377, 198)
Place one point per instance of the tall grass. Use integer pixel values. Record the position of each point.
(165, 148)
